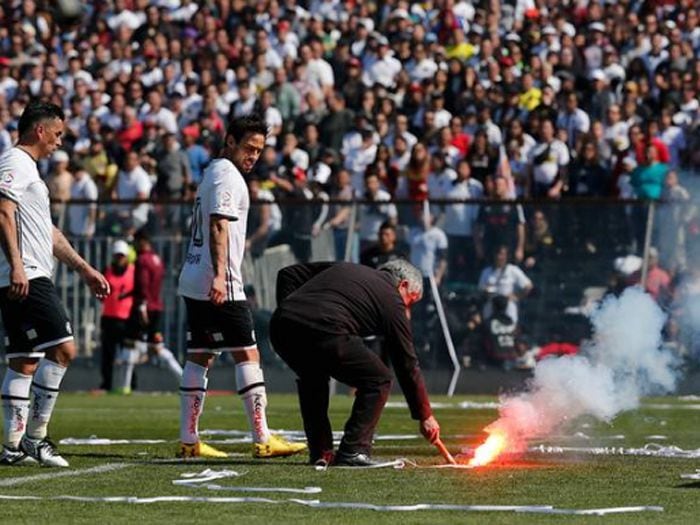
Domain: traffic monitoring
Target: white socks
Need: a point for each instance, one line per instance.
(251, 388)
(193, 390)
(169, 359)
(15, 405)
(47, 380)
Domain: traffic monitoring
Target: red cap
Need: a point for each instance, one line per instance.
(191, 131)
(299, 174)
(354, 62)
(283, 24)
(4, 61)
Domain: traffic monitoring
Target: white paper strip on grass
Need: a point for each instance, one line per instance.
(95, 441)
(316, 504)
(695, 476)
(233, 488)
(56, 474)
(651, 449)
(189, 478)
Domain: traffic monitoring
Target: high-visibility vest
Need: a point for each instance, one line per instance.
(120, 300)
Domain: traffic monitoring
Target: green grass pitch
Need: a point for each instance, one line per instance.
(564, 481)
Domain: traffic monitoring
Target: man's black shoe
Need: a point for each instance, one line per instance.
(353, 459)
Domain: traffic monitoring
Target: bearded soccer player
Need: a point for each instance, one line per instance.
(218, 316)
(39, 343)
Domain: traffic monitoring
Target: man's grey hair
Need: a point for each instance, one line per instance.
(402, 270)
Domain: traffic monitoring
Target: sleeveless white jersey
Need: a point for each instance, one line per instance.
(222, 192)
(20, 182)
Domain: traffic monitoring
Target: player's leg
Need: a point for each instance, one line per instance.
(238, 337)
(17, 382)
(156, 344)
(355, 365)
(47, 330)
(16, 386)
(193, 385)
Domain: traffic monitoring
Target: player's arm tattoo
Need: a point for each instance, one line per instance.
(65, 253)
(218, 243)
(8, 232)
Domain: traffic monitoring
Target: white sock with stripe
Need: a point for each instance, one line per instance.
(193, 390)
(15, 406)
(251, 387)
(47, 380)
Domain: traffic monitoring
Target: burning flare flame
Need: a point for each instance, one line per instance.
(494, 446)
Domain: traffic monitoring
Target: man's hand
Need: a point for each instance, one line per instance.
(19, 284)
(217, 294)
(430, 429)
(96, 282)
(143, 315)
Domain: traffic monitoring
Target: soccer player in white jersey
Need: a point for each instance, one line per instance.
(218, 316)
(39, 341)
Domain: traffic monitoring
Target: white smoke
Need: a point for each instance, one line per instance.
(623, 362)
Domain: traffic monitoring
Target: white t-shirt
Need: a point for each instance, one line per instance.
(129, 185)
(78, 214)
(222, 192)
(373, 215)
(558, 157)
(425, 245)
(503, 281)
(20, 182)
(460, 218)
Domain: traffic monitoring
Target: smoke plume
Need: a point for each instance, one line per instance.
(623, 362)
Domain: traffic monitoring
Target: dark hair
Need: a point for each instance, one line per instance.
(37, 112)
(142, 235)
(240, 127)
(386, 225)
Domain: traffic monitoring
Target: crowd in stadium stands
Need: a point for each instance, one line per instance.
(446, 99)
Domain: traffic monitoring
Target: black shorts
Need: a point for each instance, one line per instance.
(36, 323)
(228, 327)
(151, 333)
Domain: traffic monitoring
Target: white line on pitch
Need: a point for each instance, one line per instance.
(109, 467)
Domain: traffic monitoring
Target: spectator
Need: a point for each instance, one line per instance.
(341, 215)
(82, 217)
(483, 159)
(540, 247)
(173, 168)
(59, 183)
(386, 248)
(676, 214)
(197, 154)
(574, 120)
(260, 220)
(134, 184)
(501, 336)
(336, 123)
(428, 245)
(499, 223)
(548, 163)
(658, 283)
(588, 177)
(505, 280)
(459, 225)
(376, 212)
(116, 308)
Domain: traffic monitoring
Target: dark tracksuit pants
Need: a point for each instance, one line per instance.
(315, 358)
(113, 331)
